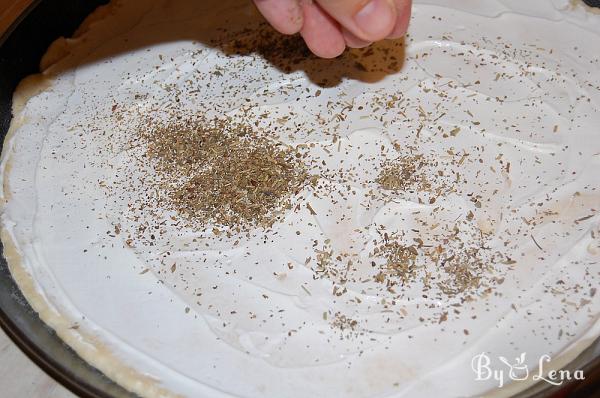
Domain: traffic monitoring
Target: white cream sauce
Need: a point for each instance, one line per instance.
(520, 79)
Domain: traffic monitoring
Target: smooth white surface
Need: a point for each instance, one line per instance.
(20, 378)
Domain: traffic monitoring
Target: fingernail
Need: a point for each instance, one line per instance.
(376, 19)
(353, 41)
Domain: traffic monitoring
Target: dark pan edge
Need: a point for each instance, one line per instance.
(4, 36)
(51, 367)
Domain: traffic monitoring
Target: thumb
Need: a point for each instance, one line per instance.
(369, 20)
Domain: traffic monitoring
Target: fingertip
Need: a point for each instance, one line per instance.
(404, 8)
(352, 41)
(321, 33)
(327, 49)
(284, 15)
(375, 20)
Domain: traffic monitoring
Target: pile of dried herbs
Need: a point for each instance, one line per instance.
(223, 172)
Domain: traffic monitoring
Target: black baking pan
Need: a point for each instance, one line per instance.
(21, 49)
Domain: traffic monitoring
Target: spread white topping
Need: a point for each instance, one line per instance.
(450, 205)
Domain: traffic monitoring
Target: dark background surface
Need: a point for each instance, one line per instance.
(593, 3)
(20, 51)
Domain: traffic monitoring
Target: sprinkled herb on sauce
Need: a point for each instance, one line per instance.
(222, 172)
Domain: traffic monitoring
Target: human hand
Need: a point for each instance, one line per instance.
(329, 26)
